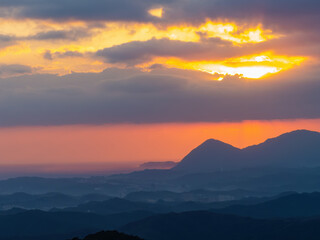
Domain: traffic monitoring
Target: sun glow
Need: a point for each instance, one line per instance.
(253, 66)
(116, 33)
(236, 33)
(156, 12)
(253, 72)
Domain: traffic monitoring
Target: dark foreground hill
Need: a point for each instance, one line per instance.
(109, 235)
(299, 148)
(156, 221)
(40, 225)
(290, 206)
(208, 226)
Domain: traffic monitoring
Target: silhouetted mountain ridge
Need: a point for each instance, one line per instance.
(200, 159)
(300, 148)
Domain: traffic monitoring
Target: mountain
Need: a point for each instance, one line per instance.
(299, 148)
(293, 205)
(207, 226)
(212, 154)
(109, 235)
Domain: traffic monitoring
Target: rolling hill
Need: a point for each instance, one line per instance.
(290, 206)
(208, 226)
(299, 148)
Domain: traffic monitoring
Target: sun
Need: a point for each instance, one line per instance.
(251, 67)
(253, 72)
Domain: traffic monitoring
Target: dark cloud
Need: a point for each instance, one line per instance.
(65, 35)
(136, 52)
(68, 54)
(297, 44)
(14, 69)
(6, 40)
(48, 55)
(113, 10)
(131, 96)
(72, 35)
(287, 14)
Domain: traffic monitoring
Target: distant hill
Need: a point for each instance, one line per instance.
(157, 165)
(117, 205)
(68, 186)
(135, 209)
(198, 195)
(299, 148)
(208, 226)
(45, 201)
(293, 205)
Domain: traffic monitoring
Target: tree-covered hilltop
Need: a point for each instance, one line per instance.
(109, 235)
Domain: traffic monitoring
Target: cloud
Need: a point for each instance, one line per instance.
(159, 96)
(285, 13)
(14, 69)
(298, 44)
(73, 35)
(66, 35)
(6, 40)
(136, 52)
(68, 54)
(48, 55)
(288, 17)
(112, 10)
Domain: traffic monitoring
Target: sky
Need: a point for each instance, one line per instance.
(120, 82)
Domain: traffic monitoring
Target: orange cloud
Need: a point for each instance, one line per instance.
(110, 34)
(156, 12)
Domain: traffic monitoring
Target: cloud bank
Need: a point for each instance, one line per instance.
(162, 95)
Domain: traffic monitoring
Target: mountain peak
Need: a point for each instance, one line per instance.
(214, 143)
(211, 154)
(301, 136)
(300, 133)
(293, 149)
